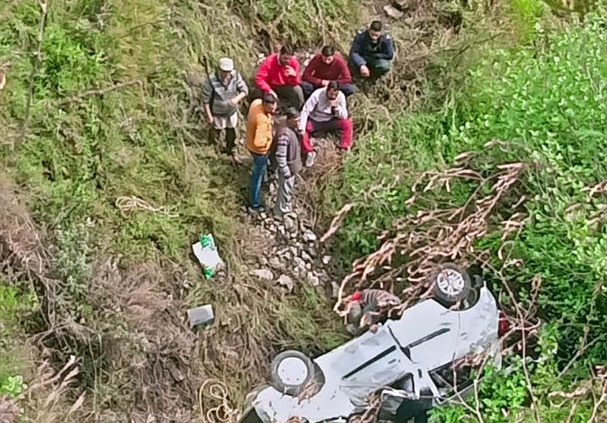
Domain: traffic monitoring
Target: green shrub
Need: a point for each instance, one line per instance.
(547, 105)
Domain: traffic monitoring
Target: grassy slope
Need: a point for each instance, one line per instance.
(73, 153)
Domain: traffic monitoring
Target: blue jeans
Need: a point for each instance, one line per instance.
(260, 163)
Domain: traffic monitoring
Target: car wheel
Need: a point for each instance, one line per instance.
(451, 283)
(291, 371)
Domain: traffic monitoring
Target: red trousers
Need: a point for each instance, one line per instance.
(343, 125)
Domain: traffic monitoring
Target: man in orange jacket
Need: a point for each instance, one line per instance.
(259, 142)
(279, 75)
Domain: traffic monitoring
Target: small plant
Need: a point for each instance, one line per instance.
(12, 386)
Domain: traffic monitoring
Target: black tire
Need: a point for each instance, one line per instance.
(285, 386)
(441, 292)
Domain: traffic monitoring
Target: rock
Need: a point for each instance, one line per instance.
(201, 316)
(262, 260)
(313, 279)
(402, 5)
(335, 289)
(306, 257)
(265, 274)
(263, 215)
(393, 12)
(326, 260)
(294, 249)
(309, 236)
(290, 223)
(312, 251)
(275, 263)
(286, 281)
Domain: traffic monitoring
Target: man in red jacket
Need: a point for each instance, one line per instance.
(279, 75)
(324, 67)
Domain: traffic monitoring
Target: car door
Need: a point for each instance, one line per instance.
(372, 362)
(427, 333)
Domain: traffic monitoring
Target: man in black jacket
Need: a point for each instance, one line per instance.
(288, 161)
(372, 52)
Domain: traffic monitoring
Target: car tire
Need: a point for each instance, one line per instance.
(452, 284)
(291, 371)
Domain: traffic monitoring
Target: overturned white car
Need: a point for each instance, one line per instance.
(410, 358)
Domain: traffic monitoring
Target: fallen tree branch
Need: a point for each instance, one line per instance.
(336, 222)
(99, 91)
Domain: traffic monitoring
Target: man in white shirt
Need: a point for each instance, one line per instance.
(325, 111)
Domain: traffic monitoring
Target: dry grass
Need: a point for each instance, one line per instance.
(20, 244)
(410, 256)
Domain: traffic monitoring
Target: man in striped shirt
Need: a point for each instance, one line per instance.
(288, 159)
(368, 307)
(221, 94)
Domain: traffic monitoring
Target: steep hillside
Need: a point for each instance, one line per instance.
(107, 178)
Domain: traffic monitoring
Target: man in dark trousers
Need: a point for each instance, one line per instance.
(279, 75)
(221, 94)
(288, 161)
(372, 52)
(368, 307)
(325, 67)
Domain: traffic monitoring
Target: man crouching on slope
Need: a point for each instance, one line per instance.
(367, 308)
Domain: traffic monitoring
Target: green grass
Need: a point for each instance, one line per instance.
(81, 151)
(14, 354)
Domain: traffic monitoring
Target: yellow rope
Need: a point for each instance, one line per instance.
(134, 203)
(216, 390)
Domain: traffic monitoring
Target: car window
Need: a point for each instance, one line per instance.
(250, 416)
(448, 377)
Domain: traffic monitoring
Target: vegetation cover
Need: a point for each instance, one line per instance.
(509, 172)
(106, 179)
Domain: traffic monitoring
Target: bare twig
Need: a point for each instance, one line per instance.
(336, 222)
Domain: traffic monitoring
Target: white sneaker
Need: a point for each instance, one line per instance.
(311, 159)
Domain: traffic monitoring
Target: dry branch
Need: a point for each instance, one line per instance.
(336, 222)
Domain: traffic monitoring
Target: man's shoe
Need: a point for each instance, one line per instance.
(256, 210)
(311, 159)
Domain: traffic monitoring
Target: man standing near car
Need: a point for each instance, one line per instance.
(221, 94)
(369, 307)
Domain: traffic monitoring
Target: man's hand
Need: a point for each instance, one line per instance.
(364, 71)
(334, 103)
(324, 82)
(373, 328)
(234, 101)
(290, 71)
(273, 93)
(210, 119)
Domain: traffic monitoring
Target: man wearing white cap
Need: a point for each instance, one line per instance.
(221, 94)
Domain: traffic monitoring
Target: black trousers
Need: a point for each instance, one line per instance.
(230, 139)
(288, 96)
